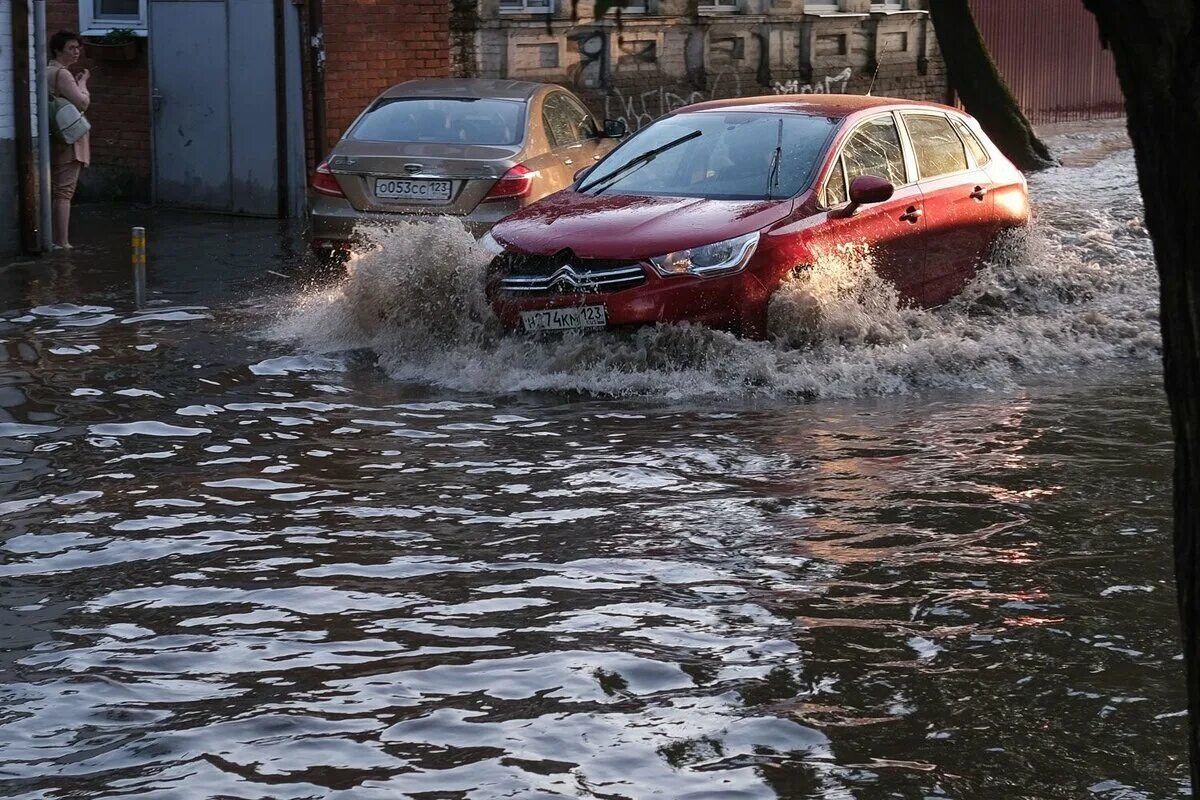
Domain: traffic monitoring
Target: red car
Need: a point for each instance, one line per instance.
(701, 215)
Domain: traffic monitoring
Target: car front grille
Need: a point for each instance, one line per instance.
(534, 275)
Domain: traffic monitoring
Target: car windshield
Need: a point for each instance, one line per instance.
(729, 156)
(485, 121)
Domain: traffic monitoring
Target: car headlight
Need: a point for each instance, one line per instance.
(719, 258)
(490, 245)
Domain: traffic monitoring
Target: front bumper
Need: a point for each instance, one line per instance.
(333, 222)
(732, 302)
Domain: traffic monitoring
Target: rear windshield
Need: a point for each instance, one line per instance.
(730, 156)
(442, 121)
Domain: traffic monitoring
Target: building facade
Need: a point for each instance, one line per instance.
(644, 58)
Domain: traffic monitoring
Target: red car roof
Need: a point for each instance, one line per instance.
(823, 105)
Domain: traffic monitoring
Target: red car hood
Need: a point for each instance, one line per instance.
(632, 226)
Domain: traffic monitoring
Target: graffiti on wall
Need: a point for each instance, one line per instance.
(606, 69)
(642, 108)
(593, 69)
(830, 84)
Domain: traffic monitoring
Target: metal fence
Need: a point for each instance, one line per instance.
(1049, 53)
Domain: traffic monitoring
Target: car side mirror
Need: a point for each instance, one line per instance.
(615, 129)
(869, 189)
(579, 173)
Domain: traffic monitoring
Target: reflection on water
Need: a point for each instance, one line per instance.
(302, 580)
(235, 569)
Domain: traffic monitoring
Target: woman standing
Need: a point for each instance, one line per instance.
(67, 159)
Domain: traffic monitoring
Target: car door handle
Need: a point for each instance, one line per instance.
(978, 193)
(911, 214)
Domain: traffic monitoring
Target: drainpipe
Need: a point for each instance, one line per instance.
(281, 143)
(27, 171)
(41, 62)
(316, 53)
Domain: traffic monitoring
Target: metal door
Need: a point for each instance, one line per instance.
(214, 105)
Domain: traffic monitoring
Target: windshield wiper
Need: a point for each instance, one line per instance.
(644, 158)
(773, 177)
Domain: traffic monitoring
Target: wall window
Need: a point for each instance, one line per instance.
(888, 5)
(526, 6)
(718, 5)
(104, 15)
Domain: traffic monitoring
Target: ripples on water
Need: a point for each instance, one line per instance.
(248, 571)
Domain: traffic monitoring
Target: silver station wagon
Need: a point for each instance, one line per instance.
(471, 148)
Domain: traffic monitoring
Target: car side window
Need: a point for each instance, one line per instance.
(874, 149)
(563, 120)
(835, 187)
(582, 118)
(978, 151)
(938, 149)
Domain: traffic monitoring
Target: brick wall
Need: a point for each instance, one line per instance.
(120, 117)
(373, 44)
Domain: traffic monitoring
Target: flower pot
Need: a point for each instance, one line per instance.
(99, 51)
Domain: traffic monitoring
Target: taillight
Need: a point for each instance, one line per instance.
(517, 182)
(323, 181)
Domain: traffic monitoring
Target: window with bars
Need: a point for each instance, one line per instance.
(104, 15)
(526, 6)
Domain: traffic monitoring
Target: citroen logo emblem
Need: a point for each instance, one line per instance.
(565, 280)
(412, 169)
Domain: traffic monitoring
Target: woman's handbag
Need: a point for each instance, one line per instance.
(67, 123)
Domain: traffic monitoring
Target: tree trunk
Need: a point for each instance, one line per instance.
(983, 91)
(1156, 45)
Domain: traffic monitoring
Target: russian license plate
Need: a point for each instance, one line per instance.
(565, 319)
(413, 190)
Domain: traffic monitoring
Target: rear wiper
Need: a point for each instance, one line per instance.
(644, 158)
(773, 177)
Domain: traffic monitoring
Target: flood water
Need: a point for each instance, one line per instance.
(280, 538)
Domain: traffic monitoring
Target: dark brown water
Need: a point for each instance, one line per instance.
(234, 568)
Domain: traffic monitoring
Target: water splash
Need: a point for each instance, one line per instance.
(1076, 288)
(414, 284)
(840, 299)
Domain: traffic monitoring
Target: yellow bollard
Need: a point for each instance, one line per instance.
(139, 267)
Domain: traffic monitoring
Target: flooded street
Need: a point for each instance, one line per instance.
(295, 537)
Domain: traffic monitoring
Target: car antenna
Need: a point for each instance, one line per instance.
(876, 74)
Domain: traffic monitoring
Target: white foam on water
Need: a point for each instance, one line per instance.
(1075, 289)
